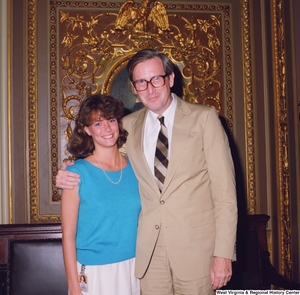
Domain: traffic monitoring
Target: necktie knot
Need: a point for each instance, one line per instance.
(161, 119)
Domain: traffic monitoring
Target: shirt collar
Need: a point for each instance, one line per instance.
(169, 113)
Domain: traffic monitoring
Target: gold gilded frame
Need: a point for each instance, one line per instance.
(282, 143)
(248, 105)
(282, 138)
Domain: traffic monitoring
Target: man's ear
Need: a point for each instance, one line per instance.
(133, 89)
(171, 79)
(86, 129)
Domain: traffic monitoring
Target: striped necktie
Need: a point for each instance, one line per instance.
(161, 154)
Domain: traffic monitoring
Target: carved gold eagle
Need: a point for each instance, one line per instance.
(135, 17)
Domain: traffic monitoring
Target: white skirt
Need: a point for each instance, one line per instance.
(111, 279)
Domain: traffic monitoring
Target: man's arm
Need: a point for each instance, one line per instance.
(66, 179)
(222, 175)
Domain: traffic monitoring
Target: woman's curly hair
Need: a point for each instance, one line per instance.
(81, 144)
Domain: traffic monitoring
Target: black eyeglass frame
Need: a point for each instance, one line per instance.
(150, 81)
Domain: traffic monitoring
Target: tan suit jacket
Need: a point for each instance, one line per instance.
(197, 209)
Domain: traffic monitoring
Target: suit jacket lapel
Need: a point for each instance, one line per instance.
(181, 129)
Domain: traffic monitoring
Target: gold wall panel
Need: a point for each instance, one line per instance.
(89, 47)
(88, 52)
(91, 43)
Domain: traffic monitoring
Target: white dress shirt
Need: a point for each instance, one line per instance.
(151, 130)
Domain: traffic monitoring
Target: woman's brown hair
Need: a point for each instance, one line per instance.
(81, 144)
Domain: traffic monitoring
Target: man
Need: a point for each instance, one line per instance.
(187, 226)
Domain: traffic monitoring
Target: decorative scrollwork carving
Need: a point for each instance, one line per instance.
(93, 46)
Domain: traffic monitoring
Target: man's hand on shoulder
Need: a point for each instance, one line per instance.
(66, 179)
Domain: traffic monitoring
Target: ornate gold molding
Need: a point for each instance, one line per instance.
(248, 105)
(32, 110)
(282, 148)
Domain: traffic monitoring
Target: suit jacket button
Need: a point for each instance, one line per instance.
(156, 226)
(162, 202)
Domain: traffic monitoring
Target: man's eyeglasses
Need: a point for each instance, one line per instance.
(156, 82)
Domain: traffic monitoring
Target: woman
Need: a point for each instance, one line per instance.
(100, 216)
